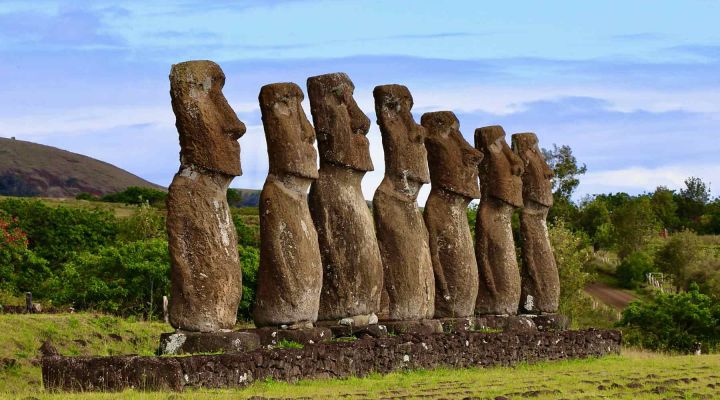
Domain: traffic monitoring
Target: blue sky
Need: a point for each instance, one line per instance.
(632, 87)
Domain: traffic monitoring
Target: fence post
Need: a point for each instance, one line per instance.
(28, 302)
(165, 310)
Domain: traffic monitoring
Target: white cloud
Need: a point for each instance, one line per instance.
(641, 179)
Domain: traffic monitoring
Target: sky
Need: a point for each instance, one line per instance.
(632, 87)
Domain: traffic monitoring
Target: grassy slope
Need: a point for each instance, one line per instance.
(73, 334)
(22, 335)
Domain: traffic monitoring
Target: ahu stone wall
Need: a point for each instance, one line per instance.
(336, 359)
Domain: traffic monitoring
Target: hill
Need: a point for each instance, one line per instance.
(31, 169)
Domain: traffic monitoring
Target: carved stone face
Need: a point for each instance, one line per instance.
(500, 169)
(340, 125)
(537, 178)
(403, 139)
(289, 135)
(208, 127)
(453, 161)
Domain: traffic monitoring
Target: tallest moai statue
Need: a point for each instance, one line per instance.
(352, 270)
(205, 267)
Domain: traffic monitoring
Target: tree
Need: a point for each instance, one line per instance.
(678, 256)
(635, 225)
(136, 195)
(572, 253)
(594, 218)
(633, 268)
(692, 201)
(566, 170)
(664, 207)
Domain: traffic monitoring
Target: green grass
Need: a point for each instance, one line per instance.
(609, 377)
(21, 335)
(659, 377)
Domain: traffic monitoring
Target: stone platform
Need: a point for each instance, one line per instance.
(334, 359)
(181, 342)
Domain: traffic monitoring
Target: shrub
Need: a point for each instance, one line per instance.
(136, 195)
(249, 261)
(632, 270)
(128, 279)
(673, 322)
(146, 223)
(54, 233)
(20, 269)
(572, 254)
(679, 254)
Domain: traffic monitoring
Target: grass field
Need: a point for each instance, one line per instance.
(632, 375)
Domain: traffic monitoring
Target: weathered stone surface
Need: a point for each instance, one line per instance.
(506, 323)
(344, 331)
(352, 270)
(205, 268)
(455, 325)
(401, 233)
(454, 174)
(501, 188)
(540, 280)
(325, 360)
(208, 127)
(290, 272)
(418, 327)
(551, 322)
(273, 336)
(181, 342)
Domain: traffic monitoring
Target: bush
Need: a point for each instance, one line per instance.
(249, 261)
(632, 270)
(54, 233)
(136, 195)
(673, 322)
(129, 279)
(21, 270)
(247, 235)
(146, 223)
(572, 254)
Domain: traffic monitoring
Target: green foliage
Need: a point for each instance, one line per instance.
(665, 207)
(633, 268)
(129, 279)
(572, 254)
(679, 254)
(635, 225)
(247, 235)
(146, 223)
(136, 195)
(55, 233)
(86, 196)
(565, 169)
(249, 261)
(674, 322)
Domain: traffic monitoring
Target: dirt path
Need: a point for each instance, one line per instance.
(616, 298)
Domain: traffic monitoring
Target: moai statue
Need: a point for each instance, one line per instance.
(352, 270)
(401, 232)
(540, 280)
(290, 273)
(205, 267)
(453, 166)
(500, 172)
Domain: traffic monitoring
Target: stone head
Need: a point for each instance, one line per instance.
(453, 161)
(340, 125)
(537, 176)
(403, 139)
(208, 127)
(500, 169)
(290, 137)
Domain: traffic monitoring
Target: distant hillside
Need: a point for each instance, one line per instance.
(31, 169)
(244, 197)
